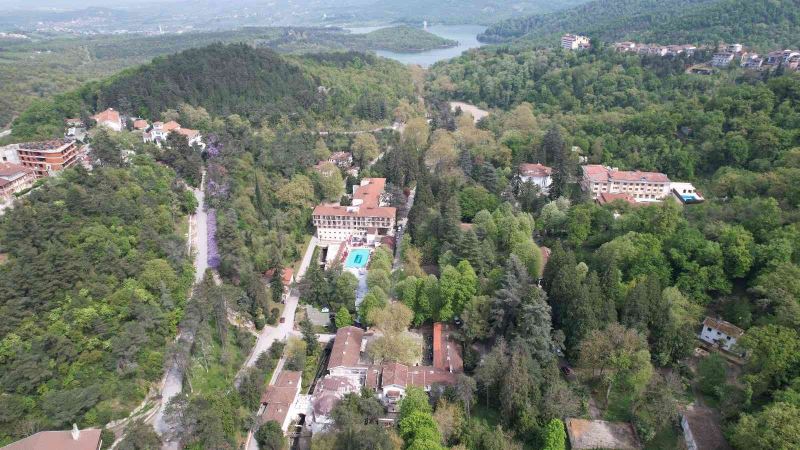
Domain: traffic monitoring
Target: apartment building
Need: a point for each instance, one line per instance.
(575, 42)
(14, 178)
(642, 186)
(367, 216)
(46, 158)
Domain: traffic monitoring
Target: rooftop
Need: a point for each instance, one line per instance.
(109, 115)
(605, 198)
(279, 397)
(723, 326)
(446, 351)
(346, 351)
(11, 170)
(88, 439)
(366, 202)
(593, 434)
(600, 174)
(535, 170)
(140, 124)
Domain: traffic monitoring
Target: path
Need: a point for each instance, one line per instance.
(5, 133)
(402, 223)
(282, 330)
(172, 384)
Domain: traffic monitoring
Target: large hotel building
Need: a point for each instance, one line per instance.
(45, 158)
(366, 217)
(642, 186)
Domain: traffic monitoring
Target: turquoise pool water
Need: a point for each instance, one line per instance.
(357, 258)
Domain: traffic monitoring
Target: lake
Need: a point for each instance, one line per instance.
(466, 35)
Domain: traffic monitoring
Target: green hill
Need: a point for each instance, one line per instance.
(765, 25)
(255, 83)
(406, 39)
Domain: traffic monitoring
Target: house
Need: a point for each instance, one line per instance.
(752, 61)
(592, 434)
(537, 174)
(345, 359)
(642, 186)
(287, 276)
(685, 193)
(46, 158)
(14, 178)
(722, 59)
(343, 160)
(140, 124)
(280, 399)
(192, 136)
(720, 332)
(700, 430)
(75, 439)
(159, 132)
(367, 218)
(575, 42)
(109, 119)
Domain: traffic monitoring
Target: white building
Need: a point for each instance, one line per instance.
(722, 59)
(685, 193)
(642, 186)
(367, 218)
(109, 119)
(575, 42)
(537, 174)
(720, 332)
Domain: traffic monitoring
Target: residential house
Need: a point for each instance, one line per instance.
(279, 402)
(140, 125)
(720, 332)
(287, 277)
(193, 137)
(75, 439)
(642, 186)
(14, 178)
(367, 218)
(722, 59)
(575, 42)
(606, 198)
(343, 160)
(109, 119)
(752, 61)
(446, 350)
(592, 434)
(46, 158)
(537, 174)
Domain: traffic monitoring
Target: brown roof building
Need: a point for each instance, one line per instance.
(605, 198)
(109, 118)
(346, 351)
(335, 222)
(47, 158)
(446, 351)
(642, 186)
(279, 398)
(88, 439)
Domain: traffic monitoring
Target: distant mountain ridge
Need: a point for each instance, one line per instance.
(761, 24)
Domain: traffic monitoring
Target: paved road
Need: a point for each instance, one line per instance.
(172, 384)
(401, 232)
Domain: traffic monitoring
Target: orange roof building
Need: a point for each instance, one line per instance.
(88, 439)
(367, 217)
(279, 399)
(45, 158)
(446, 351)
(109, 119)
(642, 186)
(140, 124)
(14, 178)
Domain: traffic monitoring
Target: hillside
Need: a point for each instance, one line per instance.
(763, 25)
(257, 84)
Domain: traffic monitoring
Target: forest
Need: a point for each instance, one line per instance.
(94, 280)
(763, 26)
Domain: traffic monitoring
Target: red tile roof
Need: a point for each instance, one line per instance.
(88, 439)
(394, 374)
(369, 195)
(346, 351)
(605, 198)
(446, 351)
(8, 169)
(171, 126)
(188, 132)
(535, 170)
(140, 124)
(599, 174)
(279, 397)
(108, 115)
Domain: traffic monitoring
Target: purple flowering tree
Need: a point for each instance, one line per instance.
(213, 250)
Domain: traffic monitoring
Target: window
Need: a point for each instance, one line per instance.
(709, 329)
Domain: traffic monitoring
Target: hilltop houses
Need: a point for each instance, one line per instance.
(654, 49)
(75, 439)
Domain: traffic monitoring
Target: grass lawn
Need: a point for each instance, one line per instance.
(215, 371)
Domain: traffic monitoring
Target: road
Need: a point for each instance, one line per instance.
(403, 222)
(4, 133)
(477, 113)
(282, 330)
(172, 384)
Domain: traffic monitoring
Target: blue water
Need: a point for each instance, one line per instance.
(466, 35)
(357, 259)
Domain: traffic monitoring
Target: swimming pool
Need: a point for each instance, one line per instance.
(357, 258)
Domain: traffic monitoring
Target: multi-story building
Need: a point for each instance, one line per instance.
(642, 186)
(46, 158)
(367, 216)
(14, 178)
(574, 42)
(720, 332)
(280, 401)
(722, 59)
(752, 61)
(537, 174)
(109, 119)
